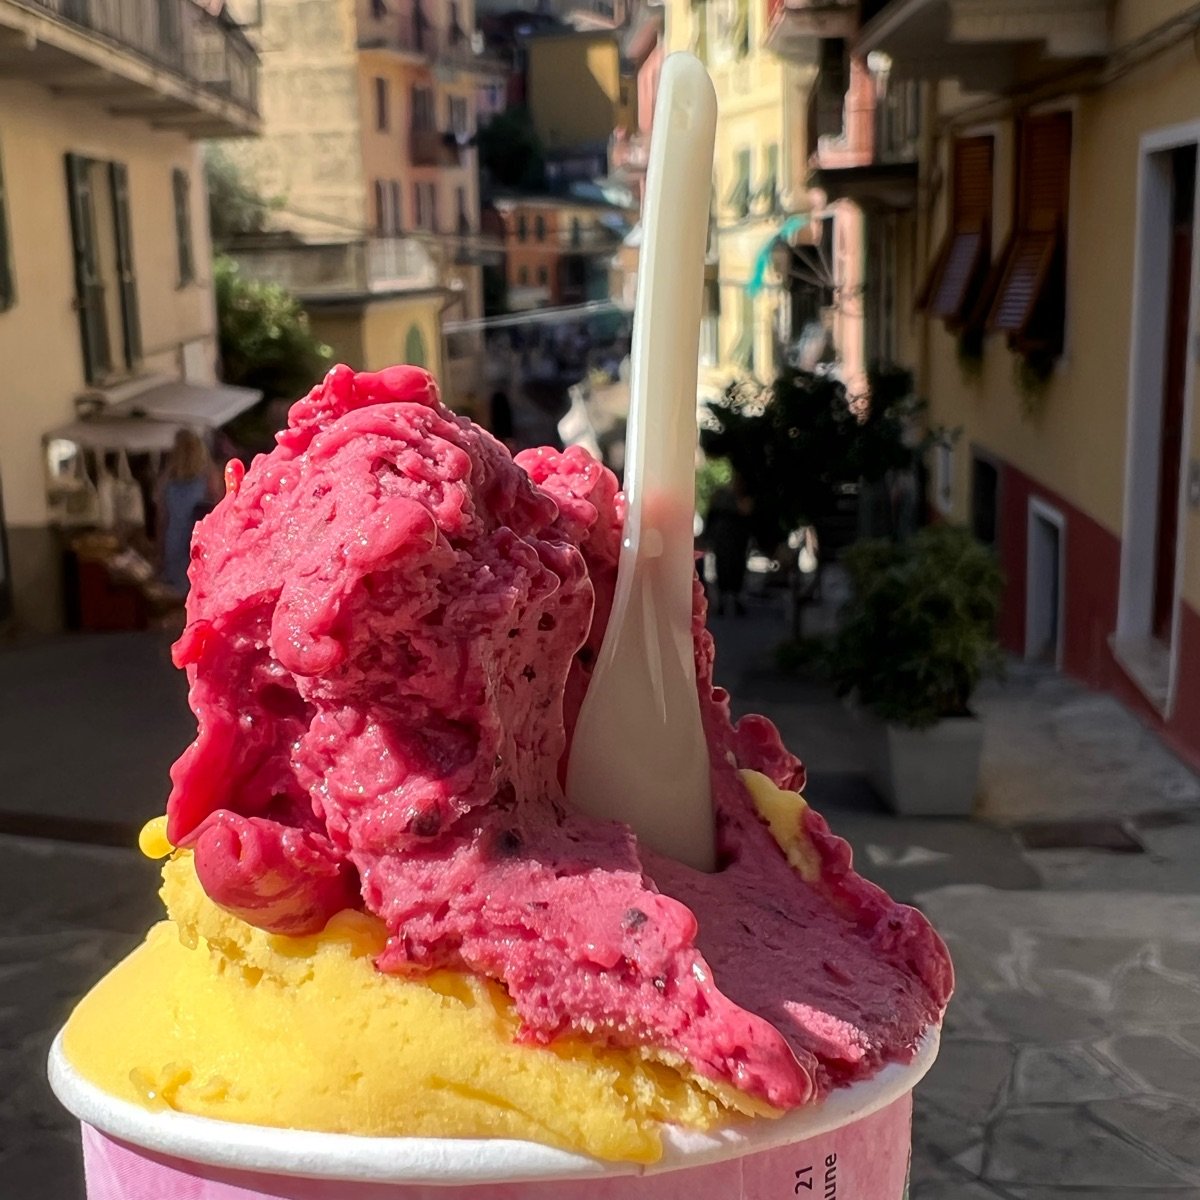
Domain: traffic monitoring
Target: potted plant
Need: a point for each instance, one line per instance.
(915, 639)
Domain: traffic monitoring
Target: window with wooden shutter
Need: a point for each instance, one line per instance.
(181, 186)
(961, 266)
(381, 208)
(8, 290)
(1029, 303)
(89, 289)
(397, 213)
(126, 277)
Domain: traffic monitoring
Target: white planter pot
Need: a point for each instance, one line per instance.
(927, 772)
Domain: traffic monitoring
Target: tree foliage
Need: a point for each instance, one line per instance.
(235, 209)
(794, 443)
(265, 339)
(918, 632)
(510, 152)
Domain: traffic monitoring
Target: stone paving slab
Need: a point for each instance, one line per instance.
(1067, 1060)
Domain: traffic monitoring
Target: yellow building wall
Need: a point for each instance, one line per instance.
(1073, 436)
(388, 325)
(40, 345)
(309, 156)
(574, 87)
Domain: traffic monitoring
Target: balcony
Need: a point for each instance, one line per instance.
(435, 148)
(412, 36)
(167, 62)
(338, 270)
(989, 45)
(872, 159)
(796, 27)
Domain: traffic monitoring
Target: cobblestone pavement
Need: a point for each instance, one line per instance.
(1071, 1056)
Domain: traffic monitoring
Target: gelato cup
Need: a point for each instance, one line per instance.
(856, 1143)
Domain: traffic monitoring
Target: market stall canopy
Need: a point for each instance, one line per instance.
(204, 404)
(146, 420)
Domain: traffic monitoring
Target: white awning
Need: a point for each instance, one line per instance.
(148, 420)
(203, 404)
(130, 434)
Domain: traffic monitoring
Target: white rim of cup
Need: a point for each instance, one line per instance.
(423, 1160)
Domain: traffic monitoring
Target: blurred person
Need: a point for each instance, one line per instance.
(189, 487)
(727, 534)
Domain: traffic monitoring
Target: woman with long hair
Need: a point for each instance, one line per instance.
(189, 487)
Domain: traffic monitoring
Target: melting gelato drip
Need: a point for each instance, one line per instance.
(389, 634)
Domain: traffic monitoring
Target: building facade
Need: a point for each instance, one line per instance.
(557, 249)
(1056, 323)
(369, 119)
(105, 266)
(760, 191)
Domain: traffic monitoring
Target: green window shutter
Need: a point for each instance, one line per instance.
(130, 319)
(767, 192)
(8, 291)
(181, 187)
(739, 195)
(415, 353)
(89, 291)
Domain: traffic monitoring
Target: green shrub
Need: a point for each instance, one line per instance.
(918, 633)
(265, 340)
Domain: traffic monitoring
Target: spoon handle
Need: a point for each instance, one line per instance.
(639, 754)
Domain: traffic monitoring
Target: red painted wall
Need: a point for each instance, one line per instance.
(1092, 572)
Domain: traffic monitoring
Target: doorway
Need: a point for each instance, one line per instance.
(1160, 381)
(1170, 453)
(1044, 585)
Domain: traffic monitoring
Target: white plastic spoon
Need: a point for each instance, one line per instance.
(639, 753)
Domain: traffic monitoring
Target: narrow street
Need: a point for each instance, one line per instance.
(1071, 1056)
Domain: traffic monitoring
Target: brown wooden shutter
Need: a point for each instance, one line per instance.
(962, 262)
(89, 291)
(123, 222)
(181, 187)
(1021, 285)
(1044, 172)
(973, 184)
(8, 291)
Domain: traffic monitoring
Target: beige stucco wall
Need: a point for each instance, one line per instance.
(39, 337)
(309, 155)
(386, 327)
(1074, 439)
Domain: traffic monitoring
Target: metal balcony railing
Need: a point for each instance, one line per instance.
(176, 35)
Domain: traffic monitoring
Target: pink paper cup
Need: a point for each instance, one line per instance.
(856, 1144)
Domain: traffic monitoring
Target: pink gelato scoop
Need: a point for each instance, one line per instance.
(390, 631)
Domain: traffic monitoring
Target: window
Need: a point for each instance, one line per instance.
(523, 276)
(464, 218)
(181, 184)
(382, 105)
(379, 9)
(458, 117)
(397, 221)
(960, 269)
(415, 352)
(423, 115)
(1030, 294)
(543, 276)
(539, 228)
(381, 208)
(522, 227)
(738, 199)
(576, 232)
(8, 290)
(767, 193)
(425, 206)
(105, 281)
(985, 492)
